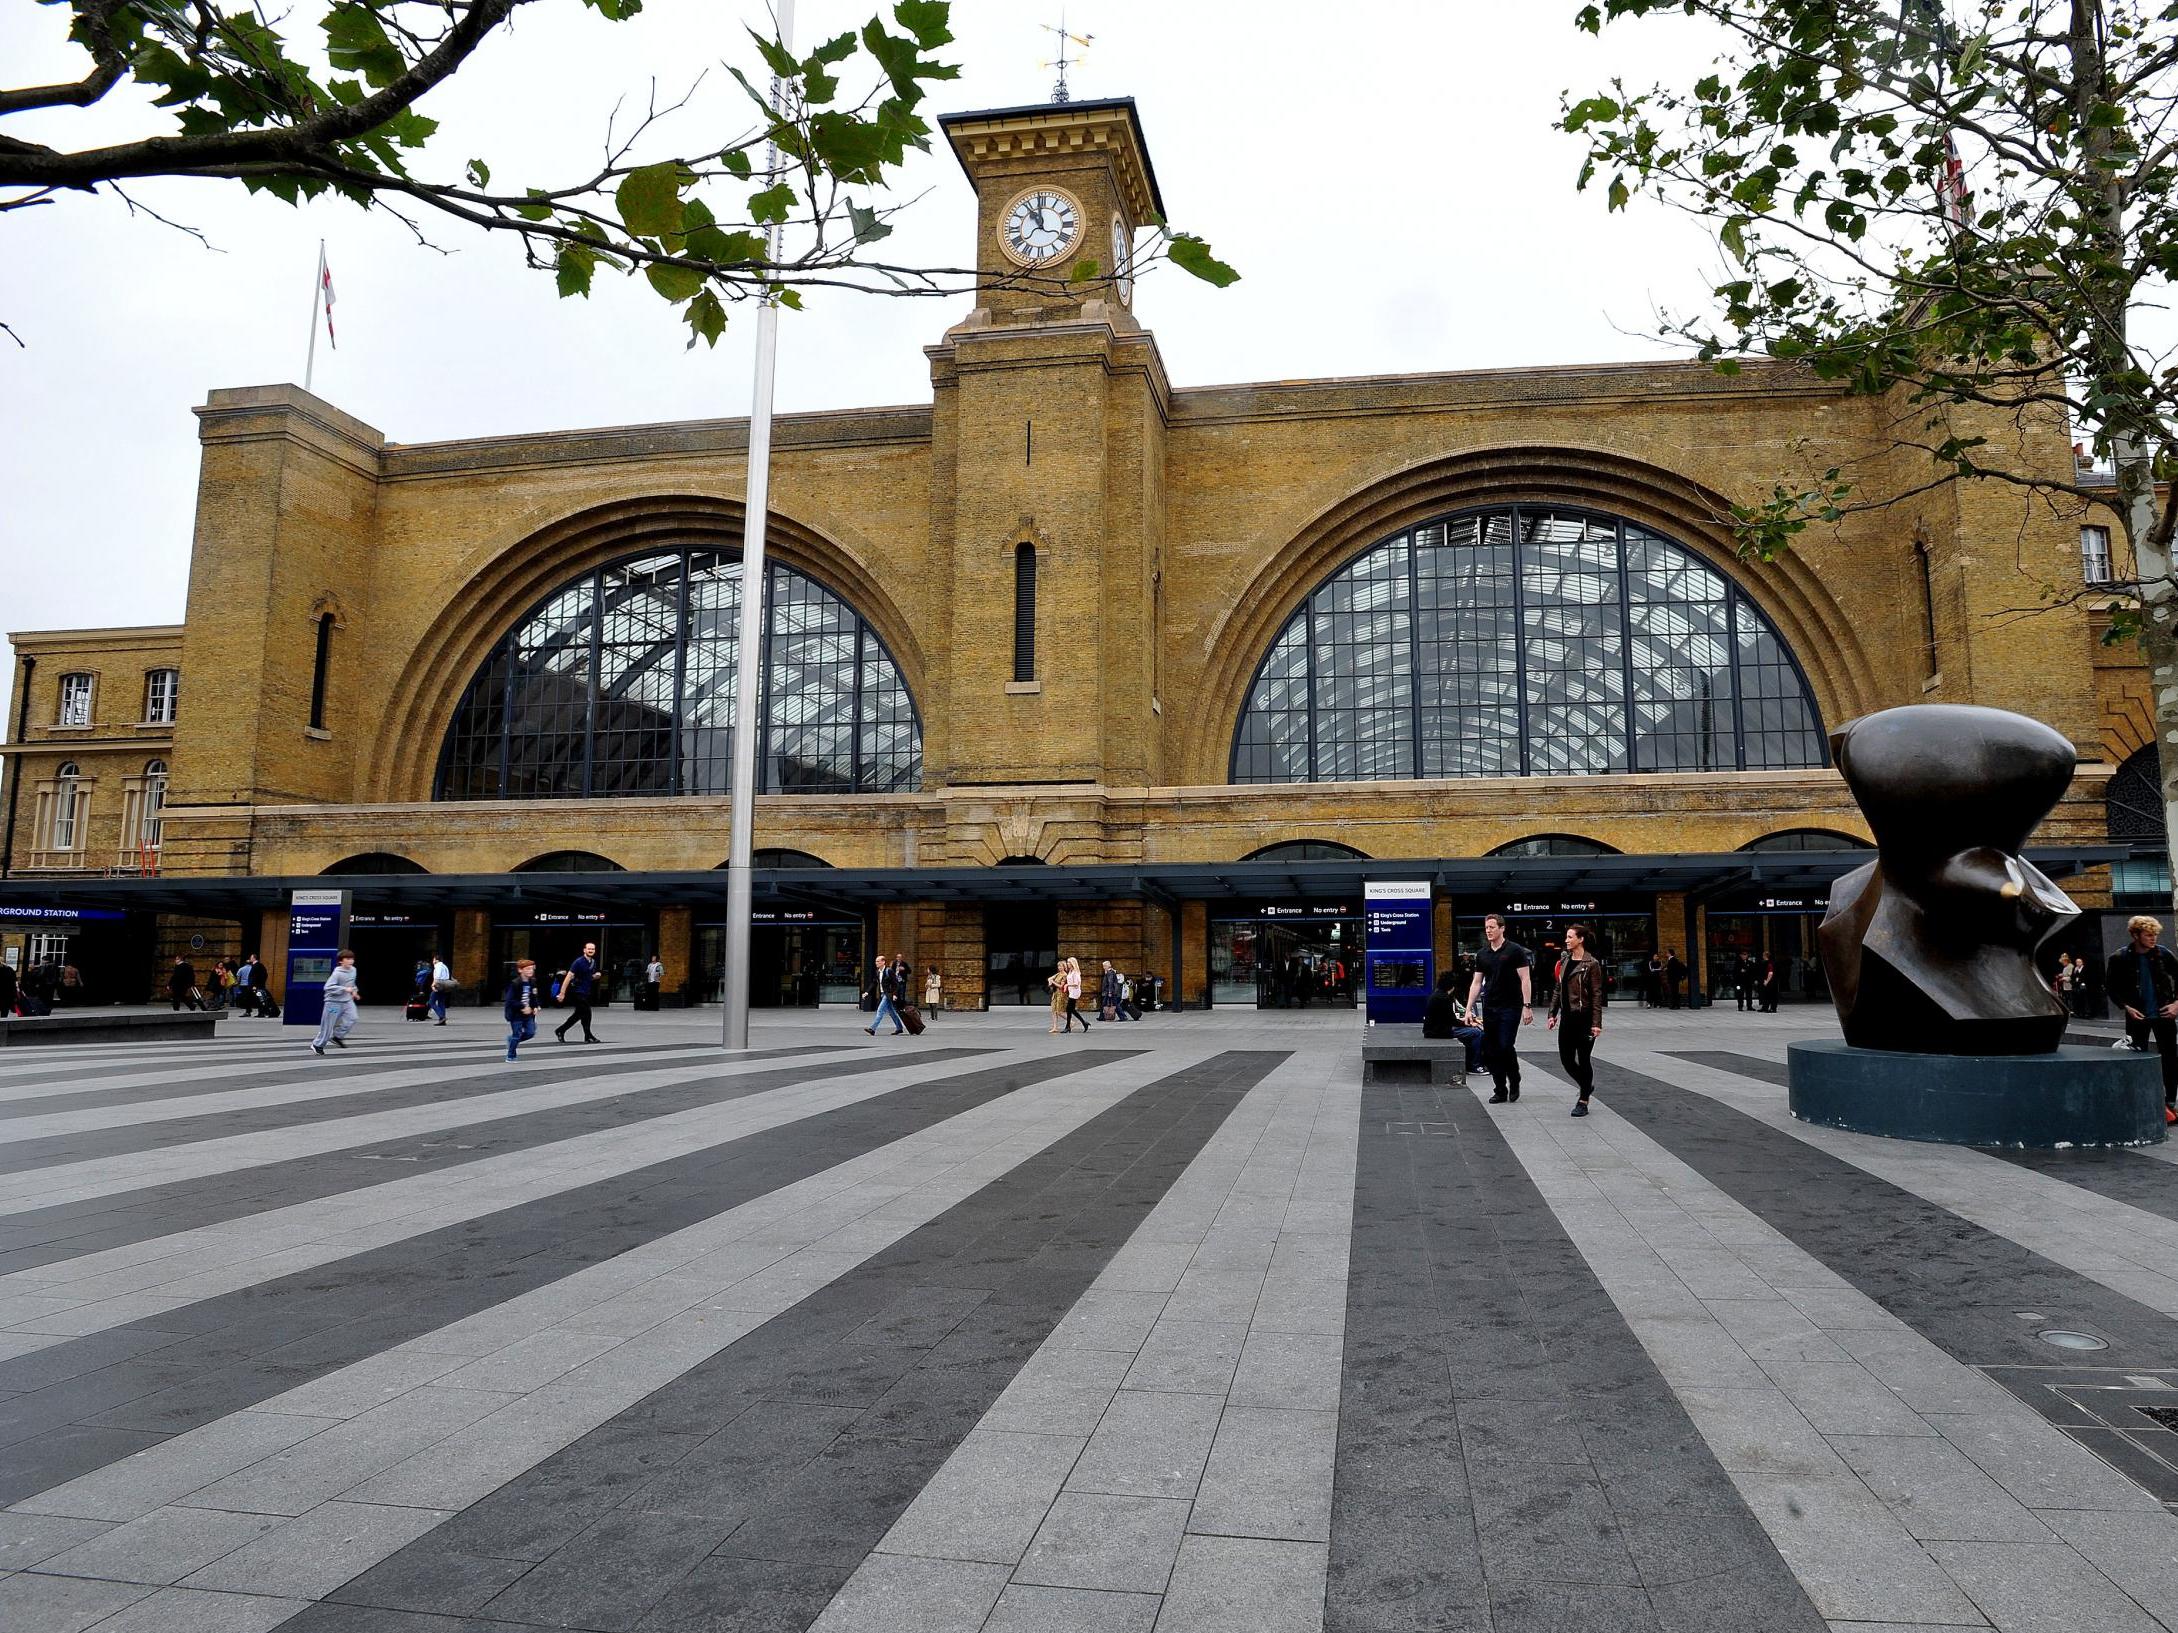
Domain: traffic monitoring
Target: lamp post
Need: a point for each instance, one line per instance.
(749, 652)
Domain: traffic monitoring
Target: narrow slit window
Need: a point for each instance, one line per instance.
(319, 671)
(1928, 606)
(1024, 612)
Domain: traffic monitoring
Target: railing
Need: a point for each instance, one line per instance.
(53, 861)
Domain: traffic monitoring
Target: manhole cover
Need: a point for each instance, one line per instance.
(2062, 1339)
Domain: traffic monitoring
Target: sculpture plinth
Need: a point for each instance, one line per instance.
(1930, 948)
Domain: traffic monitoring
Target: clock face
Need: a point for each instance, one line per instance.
(1040, 226)
(1122, 259)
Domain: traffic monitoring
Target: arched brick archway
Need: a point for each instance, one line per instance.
(1788, 592)
(511, 578)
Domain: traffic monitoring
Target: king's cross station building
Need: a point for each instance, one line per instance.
(1068, 659)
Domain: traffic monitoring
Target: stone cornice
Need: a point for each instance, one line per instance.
(237, 414)
(1020, 138)
(1490, 388)
(38, 642)
(839, 428)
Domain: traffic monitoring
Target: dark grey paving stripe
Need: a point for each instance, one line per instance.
(2139, 1181)
(753, 1485)
(66, 1230)
(568, 1064)
(1762, 1071)
(1508, 1456)
(223, 1354)
(225, 1077)
(1958, 1284)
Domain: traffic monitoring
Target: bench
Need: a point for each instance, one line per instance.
(1414, 1060)
(94, 1026)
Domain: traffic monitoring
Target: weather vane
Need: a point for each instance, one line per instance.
(1059, 92)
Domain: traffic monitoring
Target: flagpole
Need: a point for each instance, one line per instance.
(317, 293)
(749, 653)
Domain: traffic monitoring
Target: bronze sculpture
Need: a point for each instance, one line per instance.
(1930, 947)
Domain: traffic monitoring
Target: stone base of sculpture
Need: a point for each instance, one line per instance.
(2071, 1097)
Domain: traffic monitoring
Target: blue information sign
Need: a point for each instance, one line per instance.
(1401, 951)
(317, 928)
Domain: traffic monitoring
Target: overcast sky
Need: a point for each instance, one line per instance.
(1383, 173)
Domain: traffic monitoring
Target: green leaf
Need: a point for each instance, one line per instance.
(837, 49)
(617, 11)
(649, 199)
(480, 174)
(736, 161)
(706, 319)
(1618, 194)
(675, 283)
(725, 249)
(537, 211)
(1733, 235)
(1191, 255)
(868, 229)
(355, 39)
(771, 205)
(930, 21)
(574, 266)
(776, 56)
(791, 299)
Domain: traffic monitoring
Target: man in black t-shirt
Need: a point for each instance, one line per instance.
(1502, 996)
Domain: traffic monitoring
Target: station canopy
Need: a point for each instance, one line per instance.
(1484, 880)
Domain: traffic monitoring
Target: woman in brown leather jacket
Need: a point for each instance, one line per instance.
(1579, 1003)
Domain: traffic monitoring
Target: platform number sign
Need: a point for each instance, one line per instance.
(1401, 954)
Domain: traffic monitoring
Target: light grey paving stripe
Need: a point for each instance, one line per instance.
(59, 1089)
(579, 1353)
(227, 1355)
(261, 1107)
(75, 1182)
(100, 1291)
(2126, 1249)
(816, 1431)
(1898, 1482)
(1189, 1401)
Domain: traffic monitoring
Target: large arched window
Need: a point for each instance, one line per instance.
(1307, 850)
(1807, 839)
(1524, 641)
(1553, 845)
(569, 862)
(622, 683)
(373, 862)
(2133, 798)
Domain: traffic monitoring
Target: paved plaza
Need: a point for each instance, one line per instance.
(1178, 1327)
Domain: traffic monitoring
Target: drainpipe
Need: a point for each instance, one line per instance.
(15, 768)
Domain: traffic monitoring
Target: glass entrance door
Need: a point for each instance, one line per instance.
(1274, 965)
(1021, 949)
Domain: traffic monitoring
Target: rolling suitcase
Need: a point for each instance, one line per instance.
(419, 1007)
(912, 1019)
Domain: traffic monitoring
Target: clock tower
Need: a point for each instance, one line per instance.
(1057, 186)
(1050, 406)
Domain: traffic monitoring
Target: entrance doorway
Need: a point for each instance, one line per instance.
(1620, 940)
(1021, 949)
(554, 946)
(791, 966)
(1273, 964)
(1788, 937)
(388, 948)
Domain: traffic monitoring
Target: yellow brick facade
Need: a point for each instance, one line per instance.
(1175, 529)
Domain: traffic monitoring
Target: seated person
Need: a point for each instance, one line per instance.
(1443, 1020)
